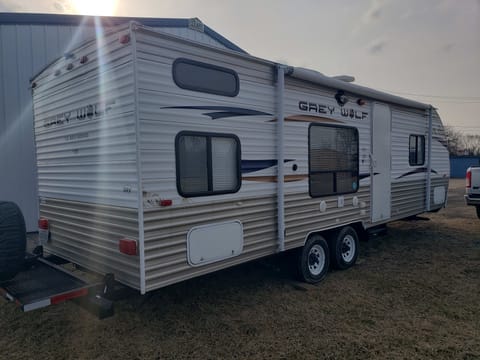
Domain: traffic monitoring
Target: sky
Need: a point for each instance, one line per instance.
(426, 50)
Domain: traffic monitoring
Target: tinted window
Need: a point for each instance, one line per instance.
(333, 160)
(197, 76)
(207, 164)
(416, 153)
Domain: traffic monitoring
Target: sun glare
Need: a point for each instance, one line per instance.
(95, 7)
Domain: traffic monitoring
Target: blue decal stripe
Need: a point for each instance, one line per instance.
(249, 166)
(416, 171)
(219, 112)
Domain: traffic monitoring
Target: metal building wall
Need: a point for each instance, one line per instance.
(24, 50)
(460, 164)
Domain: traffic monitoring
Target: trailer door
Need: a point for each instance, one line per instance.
(381, 163)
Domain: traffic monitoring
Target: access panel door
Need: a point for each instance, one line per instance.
(381, 162)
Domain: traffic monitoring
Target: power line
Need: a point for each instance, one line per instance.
(448, 97)
(457, 102)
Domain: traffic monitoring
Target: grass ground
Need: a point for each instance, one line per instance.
(414, 294)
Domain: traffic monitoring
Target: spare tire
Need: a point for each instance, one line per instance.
(13, 240)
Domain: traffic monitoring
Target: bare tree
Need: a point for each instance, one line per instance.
(459, 143)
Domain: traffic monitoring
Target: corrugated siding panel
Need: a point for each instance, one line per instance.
(303, 216)
(408, 188)
(166, 230)
(255, 205)
(25, 50)
(297, 91)
(166, 237)
(404, 124)
(440, 155)
(160, 123)
(88, 235)
(408, 197)
(460, 164)
(90, 159)
(87, 171)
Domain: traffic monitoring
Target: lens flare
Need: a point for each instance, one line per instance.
(95, 7)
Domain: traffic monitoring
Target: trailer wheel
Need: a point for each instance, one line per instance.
(12, 240)
(313, 260)
(478, 211)
(344, 248)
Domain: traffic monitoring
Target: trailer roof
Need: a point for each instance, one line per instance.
(107, 21)
(321, 79)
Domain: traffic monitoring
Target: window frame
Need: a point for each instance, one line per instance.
(416, 150)
(184, 86)
(209, 136)
(357, 171)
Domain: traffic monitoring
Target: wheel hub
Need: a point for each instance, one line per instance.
(316, 260)
(348, 248)
(313, 259)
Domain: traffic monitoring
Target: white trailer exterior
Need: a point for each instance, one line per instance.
(173, 144)
(29, 42)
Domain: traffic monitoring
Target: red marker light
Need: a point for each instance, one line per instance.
(124, 39)
(469, 179)
(166, 202)
(43, 224)
(127, 246)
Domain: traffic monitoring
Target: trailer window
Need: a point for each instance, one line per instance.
(333, 160)
(416, 152)
(207, 164)
(212, 79)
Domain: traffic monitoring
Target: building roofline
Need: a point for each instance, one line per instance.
(86, 20)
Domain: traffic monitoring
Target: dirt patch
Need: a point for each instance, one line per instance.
(414, 294)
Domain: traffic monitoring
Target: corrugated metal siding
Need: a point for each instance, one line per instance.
(166, 236)
(255, 205)
(166, 229)
(87, 171)
(408, 197)
(303, 216)
(24, 51)
(90, 159)
(88, 235)
(159, 122)
(460, 164)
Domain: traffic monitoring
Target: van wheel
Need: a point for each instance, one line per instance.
(12, 240)
(344, 248)
(478, 211)
(313, 260)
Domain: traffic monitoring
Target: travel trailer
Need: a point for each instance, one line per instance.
(161, 159)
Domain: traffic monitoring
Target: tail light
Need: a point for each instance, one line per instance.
(43, 224)
(124, 39)
(127, 246)
(43, 231)
(469, 179)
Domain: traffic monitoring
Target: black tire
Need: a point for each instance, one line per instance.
(478, 211)
(313, 260)
(344, 247)
(12, 240)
